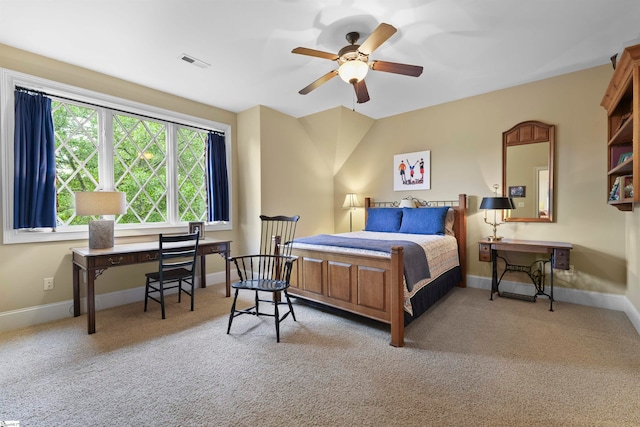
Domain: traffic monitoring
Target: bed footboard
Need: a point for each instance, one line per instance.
(368, 286)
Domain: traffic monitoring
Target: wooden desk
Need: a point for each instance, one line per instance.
(558, 257)
(95, 261)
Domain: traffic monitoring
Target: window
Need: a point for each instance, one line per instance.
(157, 157)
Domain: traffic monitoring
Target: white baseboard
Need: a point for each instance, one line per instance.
(16, 319)
(575, 296)
(633, 314)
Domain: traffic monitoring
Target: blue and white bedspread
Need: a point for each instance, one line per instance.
(426, 257)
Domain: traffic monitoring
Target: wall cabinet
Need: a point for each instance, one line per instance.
(622, 102)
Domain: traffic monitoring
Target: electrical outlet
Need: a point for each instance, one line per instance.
(48, 283)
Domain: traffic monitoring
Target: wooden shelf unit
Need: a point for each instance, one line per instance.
(622, 102)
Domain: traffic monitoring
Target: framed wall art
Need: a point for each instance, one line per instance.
(517, 191)
(412, 171)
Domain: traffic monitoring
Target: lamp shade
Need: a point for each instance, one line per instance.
(497, 203)
(407, 203)
(353, 71)
(100, 203)
(351, 201)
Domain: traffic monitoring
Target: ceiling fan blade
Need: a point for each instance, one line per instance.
(320, 81)
(362, 94)
(379, 36)
(394, 67)
(316, 53)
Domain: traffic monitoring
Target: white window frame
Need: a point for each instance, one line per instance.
(9, 80)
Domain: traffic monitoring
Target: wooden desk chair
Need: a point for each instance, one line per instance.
(269, 271)
(176, 266)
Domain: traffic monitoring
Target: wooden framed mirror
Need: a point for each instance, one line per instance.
(527, 171)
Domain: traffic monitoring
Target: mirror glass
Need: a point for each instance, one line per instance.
(527, 171)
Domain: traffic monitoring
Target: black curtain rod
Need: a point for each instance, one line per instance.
(39, 92)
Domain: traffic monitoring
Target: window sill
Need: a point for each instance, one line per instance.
(81, 233)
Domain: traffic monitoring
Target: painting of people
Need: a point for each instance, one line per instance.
(412, 171)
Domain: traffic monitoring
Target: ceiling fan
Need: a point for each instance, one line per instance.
(354, 63)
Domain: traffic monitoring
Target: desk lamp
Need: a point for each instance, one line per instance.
(495, 203)
(100, 203)
(351, 202)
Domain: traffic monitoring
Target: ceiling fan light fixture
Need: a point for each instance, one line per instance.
(353, 71)
(353, 62)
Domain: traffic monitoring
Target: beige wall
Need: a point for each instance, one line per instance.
(633, 270)
(281, 172)
(305, 166)
(248, 183)
(465, 139)
(294, 180)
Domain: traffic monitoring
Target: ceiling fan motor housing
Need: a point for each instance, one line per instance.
(351, 53)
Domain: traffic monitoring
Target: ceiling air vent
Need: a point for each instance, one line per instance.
(194, 61)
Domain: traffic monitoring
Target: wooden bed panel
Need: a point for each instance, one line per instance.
(340, 281)
(355, 284)
(372, 288)
(313, 275)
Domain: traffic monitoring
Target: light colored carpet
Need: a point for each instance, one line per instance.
(467, 361)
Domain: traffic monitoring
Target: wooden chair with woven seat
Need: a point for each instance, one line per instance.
(268, 271)
(176, 267)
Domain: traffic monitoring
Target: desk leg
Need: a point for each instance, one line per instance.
(203, 271)
(494, 272)
(76, 290)
(227, 270)
(551, 280)
(91, 302)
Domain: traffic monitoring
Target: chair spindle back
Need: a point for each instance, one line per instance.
(277, 234)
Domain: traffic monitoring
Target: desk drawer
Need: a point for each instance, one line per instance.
(484, 252)
(561, 259)
(113, 260)
(212, 249)
(148, 256)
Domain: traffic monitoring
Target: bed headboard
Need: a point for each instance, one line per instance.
(459, 224)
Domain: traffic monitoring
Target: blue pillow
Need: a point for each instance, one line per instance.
(384, 219)
(424, 220)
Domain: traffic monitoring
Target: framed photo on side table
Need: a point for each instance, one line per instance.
(197, 226)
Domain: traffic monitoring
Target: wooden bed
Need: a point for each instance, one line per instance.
(372, 286)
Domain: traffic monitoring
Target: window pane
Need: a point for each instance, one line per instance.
(76, 132)
(156, 156)
(140, 168)
(192, 192)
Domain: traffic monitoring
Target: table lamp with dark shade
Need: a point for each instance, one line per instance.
(495, 203)
(88, 203)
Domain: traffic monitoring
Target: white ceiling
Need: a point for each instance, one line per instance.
(467, 47)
